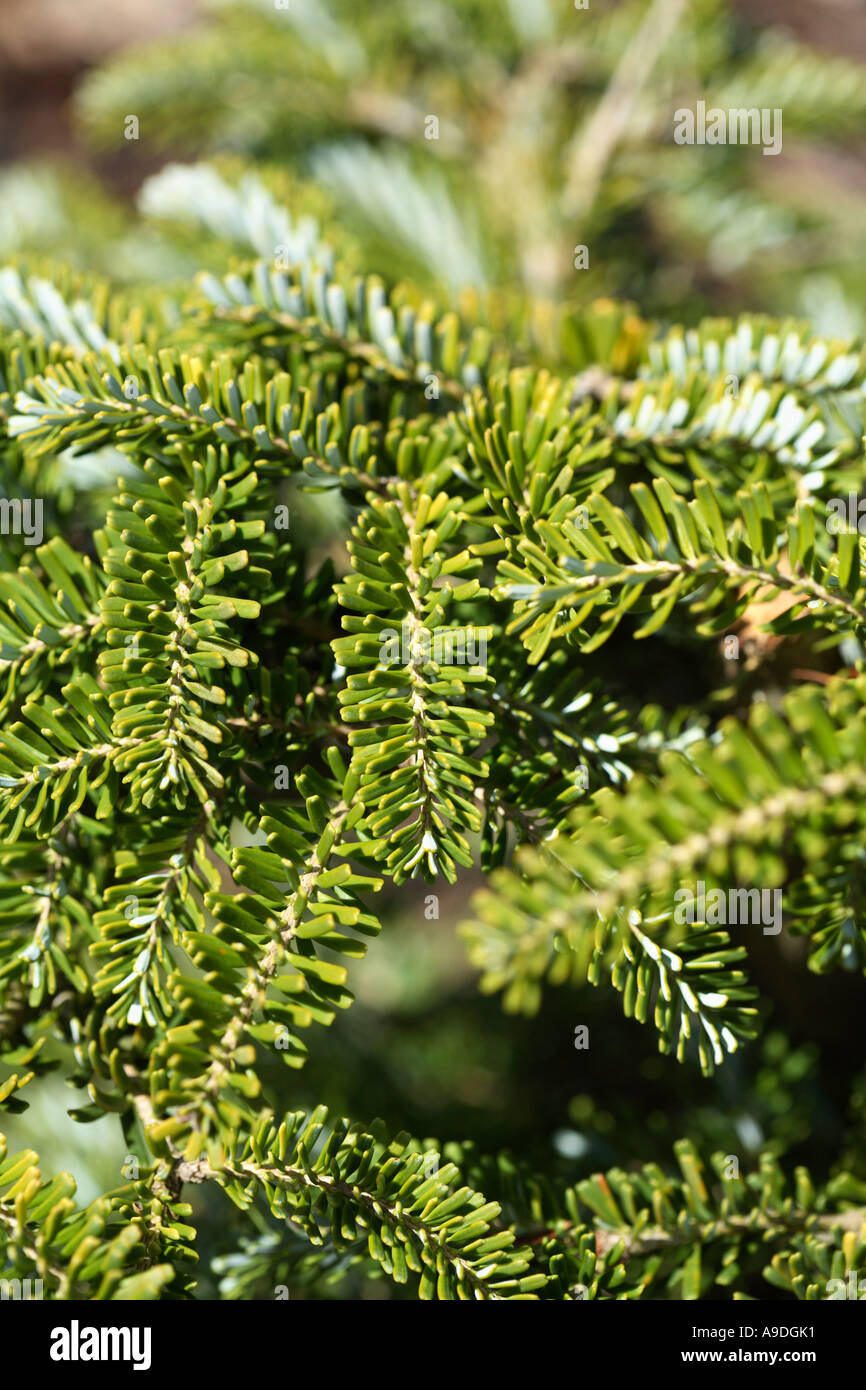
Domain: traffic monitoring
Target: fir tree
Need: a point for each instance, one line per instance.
(214, 751)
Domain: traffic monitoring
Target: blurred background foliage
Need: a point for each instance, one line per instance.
(554, 130)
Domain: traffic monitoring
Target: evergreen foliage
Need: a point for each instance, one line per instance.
(554, 127)
(217, 746)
